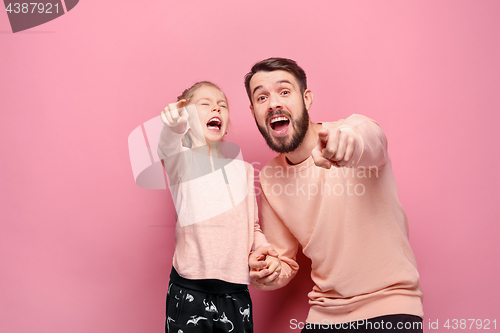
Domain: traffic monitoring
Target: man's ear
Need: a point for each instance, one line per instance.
(251, 109)
(308, 98)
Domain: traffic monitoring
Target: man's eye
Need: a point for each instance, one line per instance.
(261, 98)
(285, 92)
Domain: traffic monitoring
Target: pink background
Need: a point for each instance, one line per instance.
(84, 249)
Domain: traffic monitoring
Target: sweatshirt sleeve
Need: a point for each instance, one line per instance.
(171, 152)
(283, 242)
(259, 238)
(371, 143)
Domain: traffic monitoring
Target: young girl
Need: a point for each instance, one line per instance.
(216, 213)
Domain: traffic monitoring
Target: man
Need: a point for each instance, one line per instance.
(331, 190)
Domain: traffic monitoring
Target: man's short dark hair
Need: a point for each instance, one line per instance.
(276, 64)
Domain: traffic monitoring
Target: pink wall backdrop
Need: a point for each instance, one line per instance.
(84, 249)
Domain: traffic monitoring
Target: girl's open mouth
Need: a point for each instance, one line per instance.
(279, 124)
(214, 124)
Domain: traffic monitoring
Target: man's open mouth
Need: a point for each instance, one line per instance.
(279, 124)
(214, 124)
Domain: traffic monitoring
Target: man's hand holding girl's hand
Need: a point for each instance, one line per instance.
(265, 266)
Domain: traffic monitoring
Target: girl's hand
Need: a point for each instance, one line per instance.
(265, 266)
(274, 267)
(176, 116)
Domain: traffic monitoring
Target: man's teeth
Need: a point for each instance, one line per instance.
(274, 120)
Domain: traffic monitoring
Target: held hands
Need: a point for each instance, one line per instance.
(176, 116)
(273, 266)
(335, 148)
(265, 266)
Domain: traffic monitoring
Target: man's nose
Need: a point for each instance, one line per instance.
(274, 102)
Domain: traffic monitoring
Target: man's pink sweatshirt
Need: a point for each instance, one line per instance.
(350, 223)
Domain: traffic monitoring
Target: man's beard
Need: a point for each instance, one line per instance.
(278, 144)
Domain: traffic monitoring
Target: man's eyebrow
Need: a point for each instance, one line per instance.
(256, 88)
(284, 81)
(277, 84)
